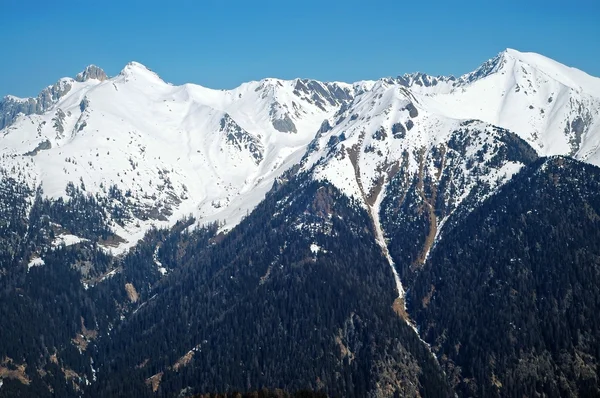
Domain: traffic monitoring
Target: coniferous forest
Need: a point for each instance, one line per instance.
(298, 300)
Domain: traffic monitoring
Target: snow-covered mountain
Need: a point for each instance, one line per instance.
(173, 150)
(179, 150)
(553, 107)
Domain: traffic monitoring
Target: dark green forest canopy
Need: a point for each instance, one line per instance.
(299, 296)
(509, 299)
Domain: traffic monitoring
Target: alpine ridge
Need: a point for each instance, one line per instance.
(409, 236)
(179, 150)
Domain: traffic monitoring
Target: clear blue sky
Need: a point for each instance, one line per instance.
(220, 44)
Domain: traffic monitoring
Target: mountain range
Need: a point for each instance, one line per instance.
(180, 150)
(217, 240)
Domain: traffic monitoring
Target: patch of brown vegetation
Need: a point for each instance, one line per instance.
(322, 205)
(154, 381)
(430, 238)
(142, 364)
(495, 381)
(388, 170)
(344, 351)
(112, 241)
(183, 361)
(70, 374)
(394, 169)
(375, 191)
(217, 239)
(428, 205)
(400, 309)
(265, 277)
(427, 299)
(10, 370)
(132, 294)
(82, 339)
(353, 153)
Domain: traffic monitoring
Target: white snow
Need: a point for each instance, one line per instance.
(380, 236)
(15, 98)
(35, 262)
(109, 274)
(190, 150)
(67, 240)
(157, 142)
(93, 370)
(533, 96)
(314, 248)
(161, 268)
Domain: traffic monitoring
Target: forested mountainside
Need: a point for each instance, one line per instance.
(411, 236)
(452, 179)
(509, 298)
(297, 296)
(59, 291)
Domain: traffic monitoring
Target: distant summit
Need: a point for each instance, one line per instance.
(91, 72)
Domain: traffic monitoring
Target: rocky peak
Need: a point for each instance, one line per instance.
(11, 107)
(488, 68)
(91, 72)
(423, 79)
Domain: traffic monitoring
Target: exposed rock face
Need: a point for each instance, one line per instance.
(11, 107)
(488, 68)
(285, 124)
(322, 94)
(83, 105)
(91, 72)
(59, 120)
(241, 139)
(578, 126)
(42, 146)
(423, 80)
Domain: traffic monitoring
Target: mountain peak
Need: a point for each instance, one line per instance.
(486, 69)
(566, 75)
(136, 65)
(91, 72)
(136, 69)
(511, 52)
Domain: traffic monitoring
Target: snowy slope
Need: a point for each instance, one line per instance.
(553, 107)
(179, 150)
(387, 134)
(173, 150)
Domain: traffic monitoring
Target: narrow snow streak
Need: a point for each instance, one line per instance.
(380, 238)
(161, 268)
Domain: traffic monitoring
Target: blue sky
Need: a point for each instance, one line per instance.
(220, 44)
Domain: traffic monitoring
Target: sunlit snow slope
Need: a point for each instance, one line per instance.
(179, 150)
(173, 150)
(553, 107)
